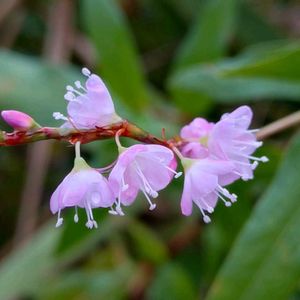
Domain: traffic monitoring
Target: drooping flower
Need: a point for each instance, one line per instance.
(231, 139)
(18, 120)
(145, 168)
(90, 106)
(228, 139)
(202, 185)
(83, 187)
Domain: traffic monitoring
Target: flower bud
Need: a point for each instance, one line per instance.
(18, 120)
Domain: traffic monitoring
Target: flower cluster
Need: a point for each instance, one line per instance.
(213, 155)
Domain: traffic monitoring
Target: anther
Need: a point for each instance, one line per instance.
(70, 88)
(112, 211)
(76, 218)
(89, 224)
(59, 222)
(227, 203)
(206, 219)
(69, 96)
(152, 206)
(59, 116)
(177, 174)
(86, 72)
(119, 211)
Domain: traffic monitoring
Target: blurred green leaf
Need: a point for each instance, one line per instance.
(106, 284)
(265, 260)
(173, 281)
(253, 27)
(146, 243)
(118, 59)
(27, 268)
(219, 236)
(267, 71)
(33, 86)
(76, 241)
(208, 38)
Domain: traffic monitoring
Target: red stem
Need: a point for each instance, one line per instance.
(84, 136)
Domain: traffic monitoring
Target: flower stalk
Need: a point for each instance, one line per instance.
(84, 136)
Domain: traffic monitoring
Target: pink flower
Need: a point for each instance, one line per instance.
(196, 134)
(83, 187)
(89, 106)
(202, 185)
(228, 139)
(145, 168)
(18, 120)
(231, 139)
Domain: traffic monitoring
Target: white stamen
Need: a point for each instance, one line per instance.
(177, 174)
(124, 186)
(244, 177)
(90, 222)
(254, 143)
(225, 192)
(76, 218)
(118, 206)
(119, 211)
(86, 72)
(69, 96)
(254, 165)
(112, 211)
(79, 86)
(227, 203)
(206, 218)
(234, 199)
(70, 88)
(146, 185)
(262, 159)
(59, 220)
(208, 207)
(59, 116)
(152, 205)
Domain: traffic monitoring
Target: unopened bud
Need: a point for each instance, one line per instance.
(18, 120)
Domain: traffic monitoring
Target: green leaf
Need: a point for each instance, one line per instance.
(118, 59)
(265, 260)
(267, 71)
(173, 281)
(146, 243)
(253, 27)
(26, 269)
(104, 284)
(208, 39)
(34, 86)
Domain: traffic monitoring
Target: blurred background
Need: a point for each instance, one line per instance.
(165, 62)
